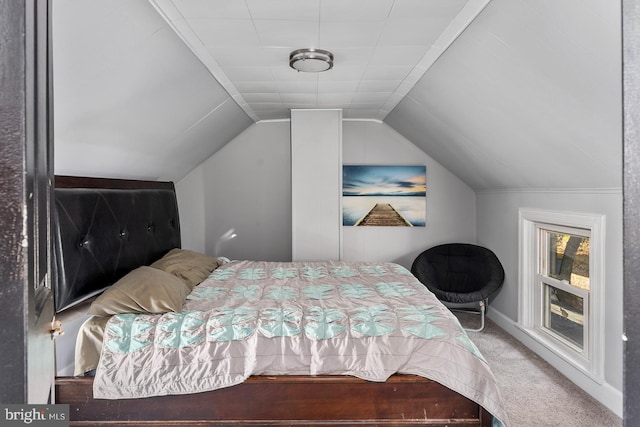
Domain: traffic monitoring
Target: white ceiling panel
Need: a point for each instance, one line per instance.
(286, 33)
(310, 87)
(228, 33)
(257, 87)
(392, 72)
(355, 34)
(241, 74)
(341, 73)
(422, 32)
(262, 97)
(295, 98)
(398, 55)
(409, 9)
(339, 99)
(293, 10)
(350, 57)
(286, 74)
(225, 9)
(372, 41)
(370, 97)
(346, 86)
(378, 85)
(247, 56)
(355, 10)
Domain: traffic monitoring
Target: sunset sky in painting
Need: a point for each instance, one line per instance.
(361, 180)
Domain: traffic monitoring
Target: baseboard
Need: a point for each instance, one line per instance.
(604, 393)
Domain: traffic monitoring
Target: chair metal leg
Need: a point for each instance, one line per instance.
(482, 310)
(481, 313)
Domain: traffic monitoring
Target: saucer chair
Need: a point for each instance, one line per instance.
(460, 273)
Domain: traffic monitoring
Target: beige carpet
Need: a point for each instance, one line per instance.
(535, 394)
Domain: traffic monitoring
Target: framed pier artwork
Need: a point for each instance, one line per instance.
(380, 195)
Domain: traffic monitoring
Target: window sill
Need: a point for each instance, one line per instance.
(569, 356)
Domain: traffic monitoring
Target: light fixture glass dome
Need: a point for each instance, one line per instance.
(311, 60)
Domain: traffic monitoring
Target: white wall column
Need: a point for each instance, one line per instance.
(316, 184)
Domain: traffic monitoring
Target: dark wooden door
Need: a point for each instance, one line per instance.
(631, 191)
(27, 364)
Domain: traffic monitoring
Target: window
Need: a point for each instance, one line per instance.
(563, 277)
(561, 298)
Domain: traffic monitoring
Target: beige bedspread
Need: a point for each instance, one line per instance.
(369, 320)
(89, 344)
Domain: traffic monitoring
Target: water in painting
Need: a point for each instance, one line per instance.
(402, 187)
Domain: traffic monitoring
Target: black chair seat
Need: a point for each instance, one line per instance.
(459, 272)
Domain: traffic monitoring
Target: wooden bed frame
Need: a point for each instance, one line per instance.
(403, 400)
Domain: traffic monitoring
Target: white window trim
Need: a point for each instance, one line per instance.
(542, 279)
(529, 221)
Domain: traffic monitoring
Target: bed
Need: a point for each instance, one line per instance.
(334, 333)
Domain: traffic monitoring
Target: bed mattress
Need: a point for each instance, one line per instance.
(368, 320)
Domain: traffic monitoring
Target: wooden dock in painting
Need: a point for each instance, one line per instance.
(383, 214)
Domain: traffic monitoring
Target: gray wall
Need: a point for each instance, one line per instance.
(450, 202)
(497, 225)
(246, 186)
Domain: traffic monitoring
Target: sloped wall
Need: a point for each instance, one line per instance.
(529, 96)
(130, 99)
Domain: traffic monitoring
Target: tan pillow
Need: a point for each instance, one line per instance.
(143, 290)
(192, 267)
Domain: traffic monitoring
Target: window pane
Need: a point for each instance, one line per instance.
(564, 314)
(569, 259)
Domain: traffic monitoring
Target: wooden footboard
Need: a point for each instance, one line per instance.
(403, 400)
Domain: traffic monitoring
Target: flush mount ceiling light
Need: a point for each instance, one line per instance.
(311, 60)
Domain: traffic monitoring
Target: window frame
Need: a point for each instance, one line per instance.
(543, 279)
(532, 222)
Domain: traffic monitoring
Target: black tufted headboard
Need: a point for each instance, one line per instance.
(105, 228)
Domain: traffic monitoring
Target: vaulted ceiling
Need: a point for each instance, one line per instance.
(504, 93)
(381, 48)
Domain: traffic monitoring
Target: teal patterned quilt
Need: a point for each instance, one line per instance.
(369, 320)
